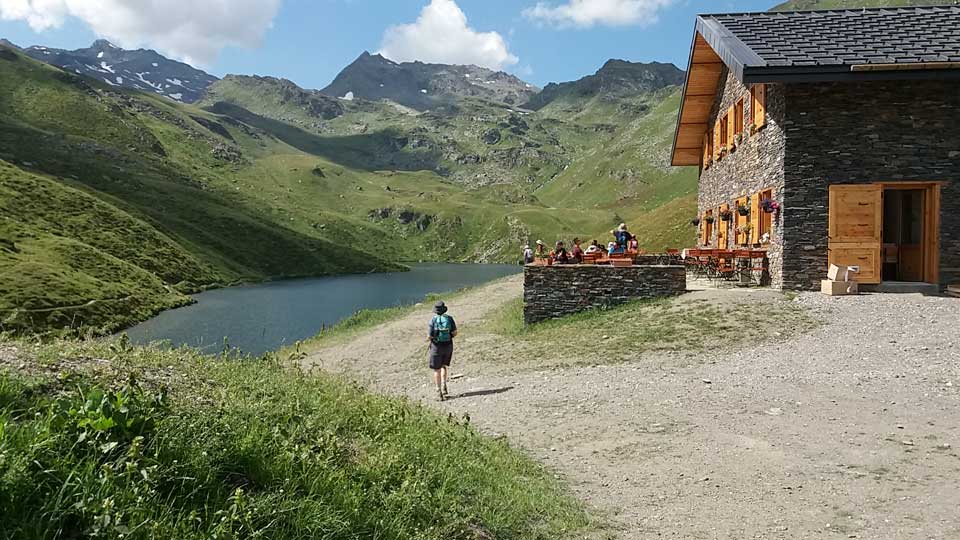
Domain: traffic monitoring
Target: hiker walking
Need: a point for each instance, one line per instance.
(442, 331)
(527, 254)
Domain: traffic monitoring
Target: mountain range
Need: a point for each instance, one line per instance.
(128, 180)
(120, 197)
(141, 69)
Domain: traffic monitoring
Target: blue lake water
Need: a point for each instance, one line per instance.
(259, 318)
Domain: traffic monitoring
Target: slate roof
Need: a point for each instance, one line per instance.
(771, 46)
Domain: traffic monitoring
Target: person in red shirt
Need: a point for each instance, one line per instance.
(576, 254)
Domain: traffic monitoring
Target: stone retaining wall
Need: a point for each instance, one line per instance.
(555, 291)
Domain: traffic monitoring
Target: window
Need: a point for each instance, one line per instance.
(738, 117)
(723, 227)
(739, 221)
(758, 105)
(764, 220)
(707, 227)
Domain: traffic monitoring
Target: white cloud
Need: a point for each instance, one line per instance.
(589, 13)
(195, 31)
(441, 35)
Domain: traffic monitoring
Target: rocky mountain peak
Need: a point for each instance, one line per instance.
(103, 44)
(423, 86)
(6, 43)
(141, 69)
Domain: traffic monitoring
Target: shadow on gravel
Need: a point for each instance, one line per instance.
(477, 393)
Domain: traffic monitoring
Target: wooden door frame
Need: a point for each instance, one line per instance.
(931, 224)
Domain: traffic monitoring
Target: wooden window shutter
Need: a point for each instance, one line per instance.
(706, 148)
(703, 229)
(738, 117)
(755, 212)
(717, 140)
(731, 125)
(759, 105)
(709, 148)
(723, 232)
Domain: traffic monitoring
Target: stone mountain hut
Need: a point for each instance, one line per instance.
(829, 137)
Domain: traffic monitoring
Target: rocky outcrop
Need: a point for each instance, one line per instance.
(424, 86)
(421, 222)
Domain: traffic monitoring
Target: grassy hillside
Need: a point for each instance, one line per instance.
(104, 440)
(575, 167)
(110, 212)
(265, 180)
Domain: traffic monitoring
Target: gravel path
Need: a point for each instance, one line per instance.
(849, 431)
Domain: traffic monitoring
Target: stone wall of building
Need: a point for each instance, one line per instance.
(756, 164)
(555, 291)
(850, 133)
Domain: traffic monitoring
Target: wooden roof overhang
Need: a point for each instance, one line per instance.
(700, 89)
(715, 47)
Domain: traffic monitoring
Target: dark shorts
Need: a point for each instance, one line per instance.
(440, 355)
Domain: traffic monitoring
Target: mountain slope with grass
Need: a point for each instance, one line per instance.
(122, 197)
(263, 179)
(596, 148)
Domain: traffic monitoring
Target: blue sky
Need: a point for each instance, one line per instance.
(310, 41)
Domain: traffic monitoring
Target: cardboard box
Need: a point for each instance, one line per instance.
(836, 272)
(838, 288)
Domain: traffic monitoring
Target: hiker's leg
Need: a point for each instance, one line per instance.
(437, 377)
(446, 374)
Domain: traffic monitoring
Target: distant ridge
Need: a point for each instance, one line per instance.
(141, 69)
(422, 86)
(617, 78)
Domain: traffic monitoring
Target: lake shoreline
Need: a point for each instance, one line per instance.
(267, 316)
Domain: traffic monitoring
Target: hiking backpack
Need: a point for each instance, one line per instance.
(443, 327)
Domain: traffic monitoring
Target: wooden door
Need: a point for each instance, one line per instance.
(856, 229)
(931, 234)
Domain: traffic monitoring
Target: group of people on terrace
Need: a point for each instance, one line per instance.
(624, 242)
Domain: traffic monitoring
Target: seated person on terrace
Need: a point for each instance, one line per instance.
(560, 254)
(622, 238)
(612, 248)
(576, 254)
(594, 247)
(633, 245)
(541, 250)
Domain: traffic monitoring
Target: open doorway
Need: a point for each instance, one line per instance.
(903, 234)
(890, 231)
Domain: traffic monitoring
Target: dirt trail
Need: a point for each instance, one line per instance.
(850, 431)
